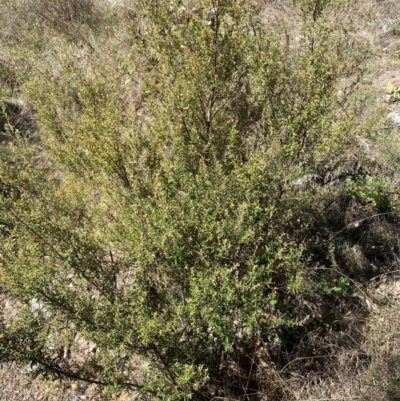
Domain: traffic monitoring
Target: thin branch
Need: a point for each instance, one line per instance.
(357, 222)
(88, 380)
(302, 358)
(385, 274)
(34, 232)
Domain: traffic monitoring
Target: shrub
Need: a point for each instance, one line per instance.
(165, 228)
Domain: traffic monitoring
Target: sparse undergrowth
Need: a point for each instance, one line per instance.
(198, 200)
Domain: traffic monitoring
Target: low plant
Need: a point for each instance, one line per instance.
(157, 218)
(375, 192)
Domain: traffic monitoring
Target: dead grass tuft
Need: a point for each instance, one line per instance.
(383, 344)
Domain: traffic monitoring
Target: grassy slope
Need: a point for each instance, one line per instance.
(377, 28)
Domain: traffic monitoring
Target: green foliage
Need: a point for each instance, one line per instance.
(376, 192)
(165, 228)
(342, 285)
(395, 29)
(333, 283)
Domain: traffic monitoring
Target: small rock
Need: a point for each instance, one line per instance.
(394, 118)
(393, 98)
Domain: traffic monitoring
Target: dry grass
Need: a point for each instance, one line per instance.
(17, 385)
(360, 360)
(383, 343)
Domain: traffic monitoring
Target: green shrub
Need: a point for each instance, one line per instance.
(372, 191)
(164, 226)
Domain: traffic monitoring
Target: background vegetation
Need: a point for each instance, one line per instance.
(198, 200)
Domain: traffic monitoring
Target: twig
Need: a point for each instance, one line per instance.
(384, 274)
(302, 358)
(357, 222)
(34, 232)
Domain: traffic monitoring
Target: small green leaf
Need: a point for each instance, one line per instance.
(327, 321)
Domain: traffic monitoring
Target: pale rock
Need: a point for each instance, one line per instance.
(394, 118)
